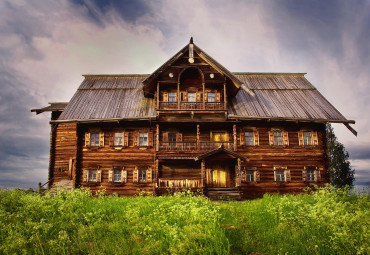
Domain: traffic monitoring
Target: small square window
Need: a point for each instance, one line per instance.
(249, 140)
(192, 97)
(92, 176)
(118, 139)
(172, 139)
(311, 175)
(117, 176)
(211, 97)
(143, 139)
(250, 176)
(280, 176)
(278, 138)
(142, 175)
(307, 138)
(94, 139)
(172, 97)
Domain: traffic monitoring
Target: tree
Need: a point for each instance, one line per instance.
(341, 172)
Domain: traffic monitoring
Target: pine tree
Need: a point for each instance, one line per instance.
(341, 172)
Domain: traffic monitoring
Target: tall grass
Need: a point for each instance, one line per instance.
(324, 222)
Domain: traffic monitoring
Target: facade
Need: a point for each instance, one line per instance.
(192, 124)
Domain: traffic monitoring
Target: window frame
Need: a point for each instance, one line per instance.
(192, 95)
(142, 137)
(91, 174)
(310, 173)
(170, 137)
(142, 175)
(210, 97)
(117, 173)
(308, 137)
(172, 96)
(276, 138)
(94, 137)
(250, 138)
(252, 174)
(280, 173)
(115, 139)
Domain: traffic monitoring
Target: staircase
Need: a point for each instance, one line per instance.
(65, 185)
(223, 194)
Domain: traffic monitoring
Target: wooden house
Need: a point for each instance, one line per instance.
(192, 124)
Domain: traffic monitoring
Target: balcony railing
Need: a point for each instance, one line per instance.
(192, 146)
(192, 106)
(179, 183)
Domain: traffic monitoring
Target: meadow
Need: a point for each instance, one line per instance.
(326, 221)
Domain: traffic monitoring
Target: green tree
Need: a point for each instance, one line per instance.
(341, 172)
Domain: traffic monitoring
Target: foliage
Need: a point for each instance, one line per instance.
(341, 173)
(327, 221)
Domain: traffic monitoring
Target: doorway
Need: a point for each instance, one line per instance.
(219, 174)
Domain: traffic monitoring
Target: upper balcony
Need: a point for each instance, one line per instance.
(212, 106)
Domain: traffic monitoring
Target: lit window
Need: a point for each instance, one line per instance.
(278, 138)
(94, 139)
(118, 139)
(249, 138)
(117, 177)
(307, 138)
(142, 175)
(211, 97)
(172, 139)
(280, 176)
(310, 175)
(92, 176)
(192, 97)
(171, 97)
(250, 176)
(143, 139)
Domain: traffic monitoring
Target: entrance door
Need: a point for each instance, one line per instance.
(218, 175)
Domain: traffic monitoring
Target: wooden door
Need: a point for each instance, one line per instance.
(218, 175)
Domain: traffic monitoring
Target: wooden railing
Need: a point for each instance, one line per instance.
(192, 146)
(179, 183)
(192, 106)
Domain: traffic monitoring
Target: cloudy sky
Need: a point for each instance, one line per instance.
(45, 46)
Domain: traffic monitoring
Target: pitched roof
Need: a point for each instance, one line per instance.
(54, 106)
(279, 96)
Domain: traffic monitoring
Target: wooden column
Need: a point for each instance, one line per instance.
(156, 172)
(198, 138)
(157, 138)
(157, 95)
(178, 95)
(238, 180)
(203, 170)
(235, 141)
(225, 97)
(204, 95)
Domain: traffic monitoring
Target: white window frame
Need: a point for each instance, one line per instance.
(172, 96)
(211, 97)
(118, 137)
(192, 97)
(116, 174)
(143, 139)
(250, 138)
(307, 139)
(92, 175)
(278, 140)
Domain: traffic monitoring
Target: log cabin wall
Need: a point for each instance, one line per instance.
(63, 152)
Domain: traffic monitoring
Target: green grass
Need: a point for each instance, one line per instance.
(324, 222)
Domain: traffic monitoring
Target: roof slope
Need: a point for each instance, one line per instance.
(277, 96)
(109, 97)
(282, 96)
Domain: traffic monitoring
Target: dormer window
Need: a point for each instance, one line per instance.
(172, 97)
(192, 97)
(211, 97)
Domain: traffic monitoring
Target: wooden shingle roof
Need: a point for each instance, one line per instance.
(278, 96)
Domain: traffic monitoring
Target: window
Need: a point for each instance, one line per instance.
(94, 139)
(250, 176)
(192, 97)
(92, 175)
(117, 175)
(311, 175)
(172, 139)
(143, 139)
(142, 175)
(307, 138)
(172, 97)
(118, 139)
(279, 176)
(249, 138)
(211, 97)
(278, 138)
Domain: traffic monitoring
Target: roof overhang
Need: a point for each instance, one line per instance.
(221, 149)
(54, 106)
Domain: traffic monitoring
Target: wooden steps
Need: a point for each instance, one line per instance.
(223, 194)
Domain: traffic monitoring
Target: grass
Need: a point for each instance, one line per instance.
(323, 222)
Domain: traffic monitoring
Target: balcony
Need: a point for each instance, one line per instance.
(179, 183)
(192, 106)
(192, 146)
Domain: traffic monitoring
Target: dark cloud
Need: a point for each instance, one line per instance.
(359, 151)
(129, 10)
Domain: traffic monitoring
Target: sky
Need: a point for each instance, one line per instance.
(46, 46)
